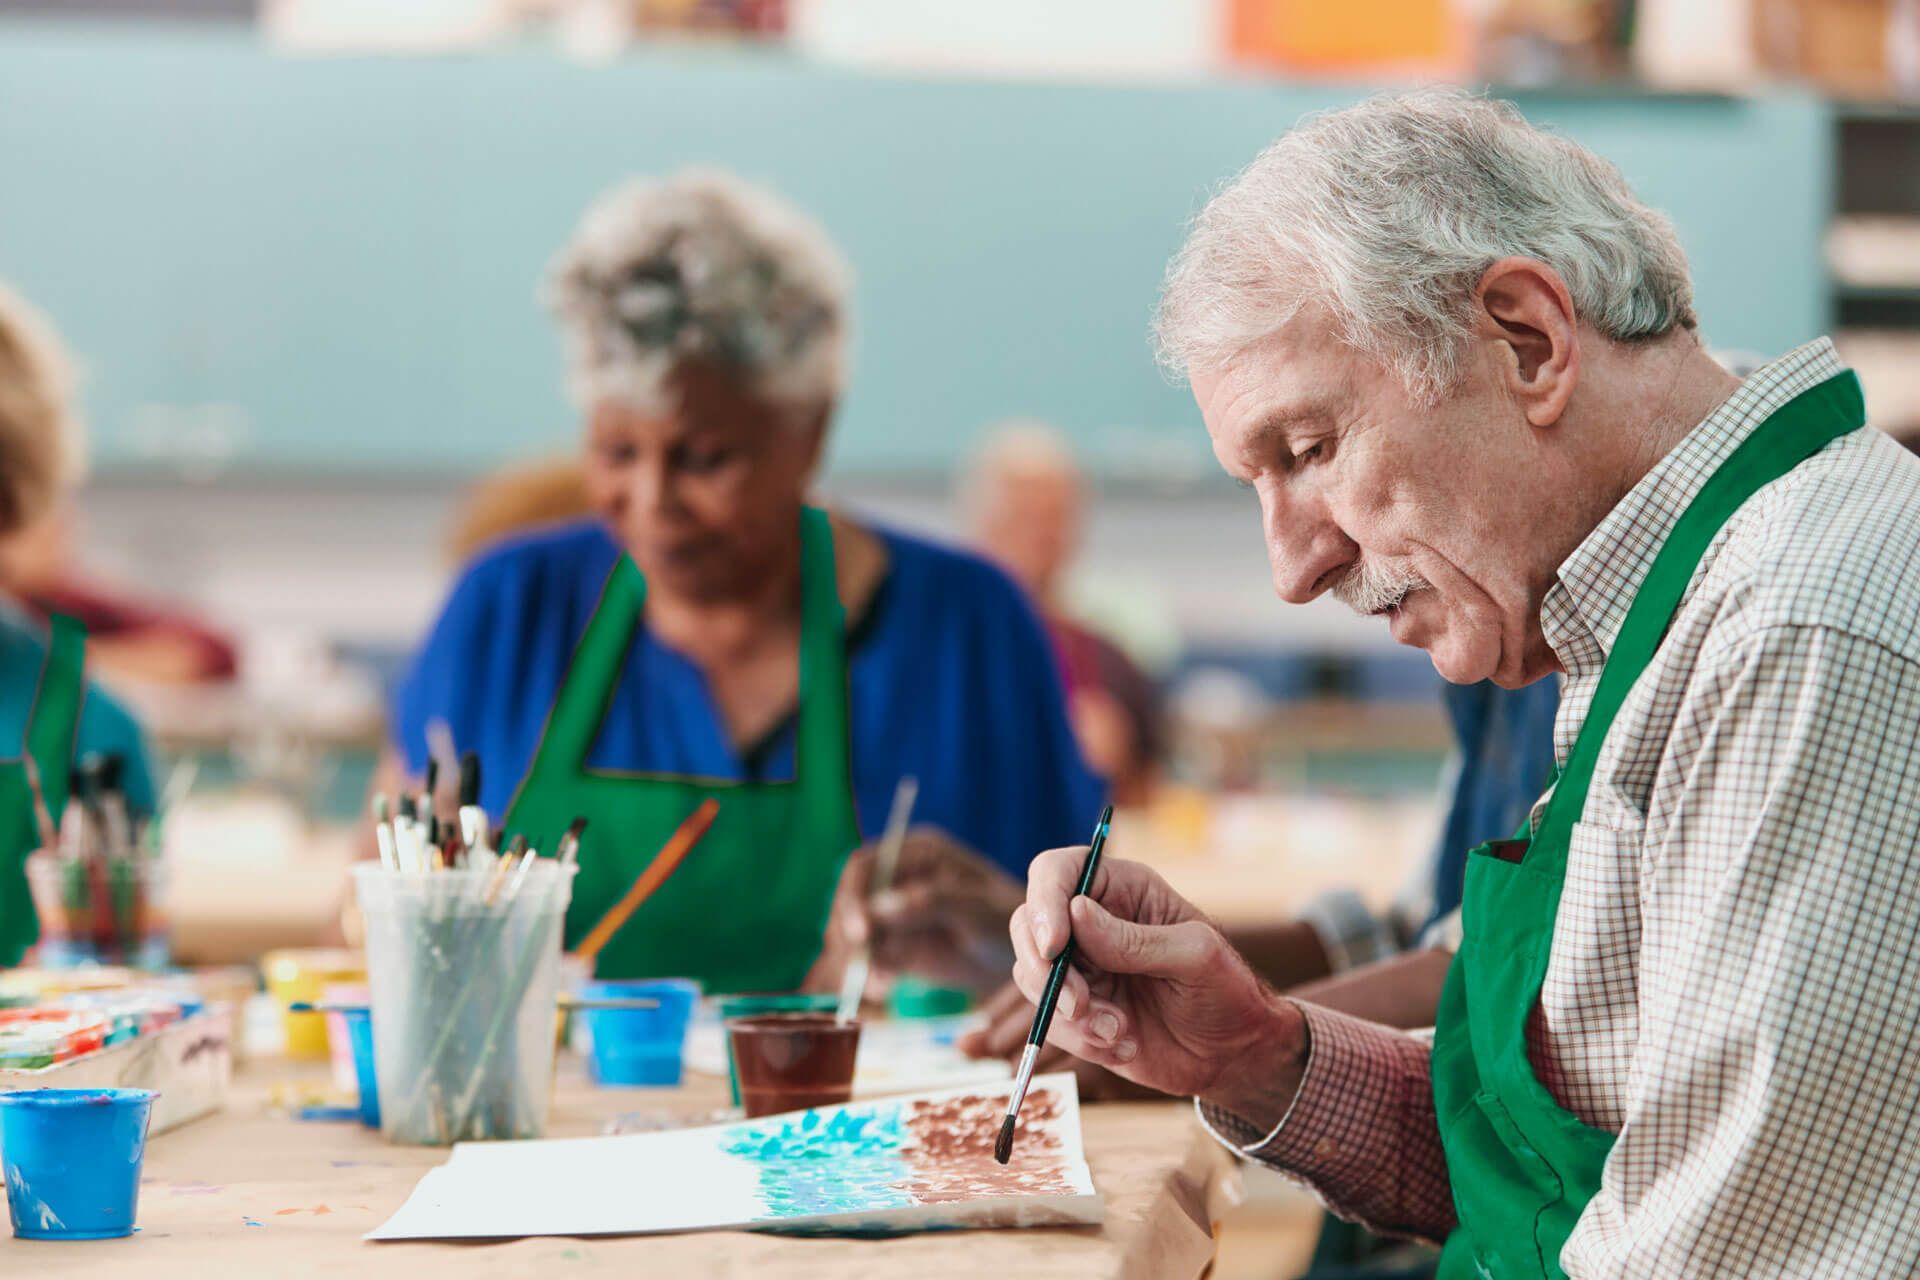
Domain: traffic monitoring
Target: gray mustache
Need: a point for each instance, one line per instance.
(1375, 586)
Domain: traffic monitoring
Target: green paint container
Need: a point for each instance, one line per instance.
(912, 998)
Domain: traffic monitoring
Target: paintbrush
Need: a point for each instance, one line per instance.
(1050, 997)
(475, 831)
(853, 987)
(429, 819)
(569, 851)
(383, 833)
(678, 845)
(518, 849)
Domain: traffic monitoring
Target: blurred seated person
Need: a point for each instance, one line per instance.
(1024, 499)
(710, 631)
(50, 714)
(518, 498)
(127, 639)
(1388, 965)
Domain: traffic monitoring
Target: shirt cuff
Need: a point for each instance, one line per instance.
(1328, 1128)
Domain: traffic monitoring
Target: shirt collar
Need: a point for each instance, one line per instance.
(1585, 607)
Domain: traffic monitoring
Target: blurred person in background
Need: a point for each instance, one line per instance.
(48, 708)
(128, 640)
(709, 632)
(1024, 497)
(518, 498)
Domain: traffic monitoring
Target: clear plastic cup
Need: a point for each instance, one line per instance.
(71, 1159)
(464, 968)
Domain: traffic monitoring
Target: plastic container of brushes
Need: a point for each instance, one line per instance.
(464, 971)
(105, 911)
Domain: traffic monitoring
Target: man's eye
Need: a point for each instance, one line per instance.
(1310, 453)
(618, 455)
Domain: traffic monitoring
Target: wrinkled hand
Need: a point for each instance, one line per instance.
(1155, 992)
(943, 919)
(1007, 1018)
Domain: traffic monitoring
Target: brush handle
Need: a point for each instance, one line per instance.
(678, 845)
(1057, 976)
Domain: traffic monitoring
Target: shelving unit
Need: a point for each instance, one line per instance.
(1876, 291)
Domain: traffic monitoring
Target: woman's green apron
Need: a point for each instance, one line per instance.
(51, 728)
(1522, 1168)
(747, 909)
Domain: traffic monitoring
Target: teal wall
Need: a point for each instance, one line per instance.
(344, 252)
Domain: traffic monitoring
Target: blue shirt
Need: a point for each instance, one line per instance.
(1506, 761)
(105, 727)
(950, 677)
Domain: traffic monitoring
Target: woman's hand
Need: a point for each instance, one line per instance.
(1155, 992)
(943, 918)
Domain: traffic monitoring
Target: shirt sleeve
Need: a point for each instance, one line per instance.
(1361, 1132)
(1768, 1130)
(467, 648)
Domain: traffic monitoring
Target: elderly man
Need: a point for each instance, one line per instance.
(1456, 360)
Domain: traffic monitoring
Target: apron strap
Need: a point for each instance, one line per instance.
(53, 725)
(1794, 432)
(587, 688)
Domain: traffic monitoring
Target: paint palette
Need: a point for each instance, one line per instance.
(886, 1166)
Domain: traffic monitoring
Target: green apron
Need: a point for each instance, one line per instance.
(1523, 1168)
(52, 726)
(747, 909)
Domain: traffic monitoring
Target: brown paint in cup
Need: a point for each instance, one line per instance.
(792, 1061)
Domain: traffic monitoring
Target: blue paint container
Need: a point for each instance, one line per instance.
(72, 1159)
(639, 1046)
(360, 1034)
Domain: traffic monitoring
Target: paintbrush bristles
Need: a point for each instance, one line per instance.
(1003, 1146)
(470, 779)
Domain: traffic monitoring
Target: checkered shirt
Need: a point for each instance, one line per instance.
(1734, 988)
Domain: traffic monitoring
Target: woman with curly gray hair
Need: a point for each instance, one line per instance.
(710, 632)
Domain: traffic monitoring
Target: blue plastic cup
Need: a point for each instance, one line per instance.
(639, 1046)
(360, 1035)
(72, 1160)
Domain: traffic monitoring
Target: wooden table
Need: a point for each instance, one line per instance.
(250, 1192)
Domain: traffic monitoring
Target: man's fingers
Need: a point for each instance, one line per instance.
(1051, 879)
(1121, 946)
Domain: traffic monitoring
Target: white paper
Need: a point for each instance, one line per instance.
(887, 1165)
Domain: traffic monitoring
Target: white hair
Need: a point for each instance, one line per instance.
(700, 267)
(1388, 213)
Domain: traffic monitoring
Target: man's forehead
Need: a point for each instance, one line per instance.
(1265, 386)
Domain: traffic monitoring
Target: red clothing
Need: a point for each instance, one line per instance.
(107, 616)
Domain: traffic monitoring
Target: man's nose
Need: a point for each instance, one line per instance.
(1305, 549)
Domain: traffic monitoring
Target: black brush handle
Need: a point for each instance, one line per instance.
(1057, 977)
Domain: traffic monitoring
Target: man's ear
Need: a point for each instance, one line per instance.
(1522, 305)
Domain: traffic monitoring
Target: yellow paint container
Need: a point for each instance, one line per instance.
(300, 974)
